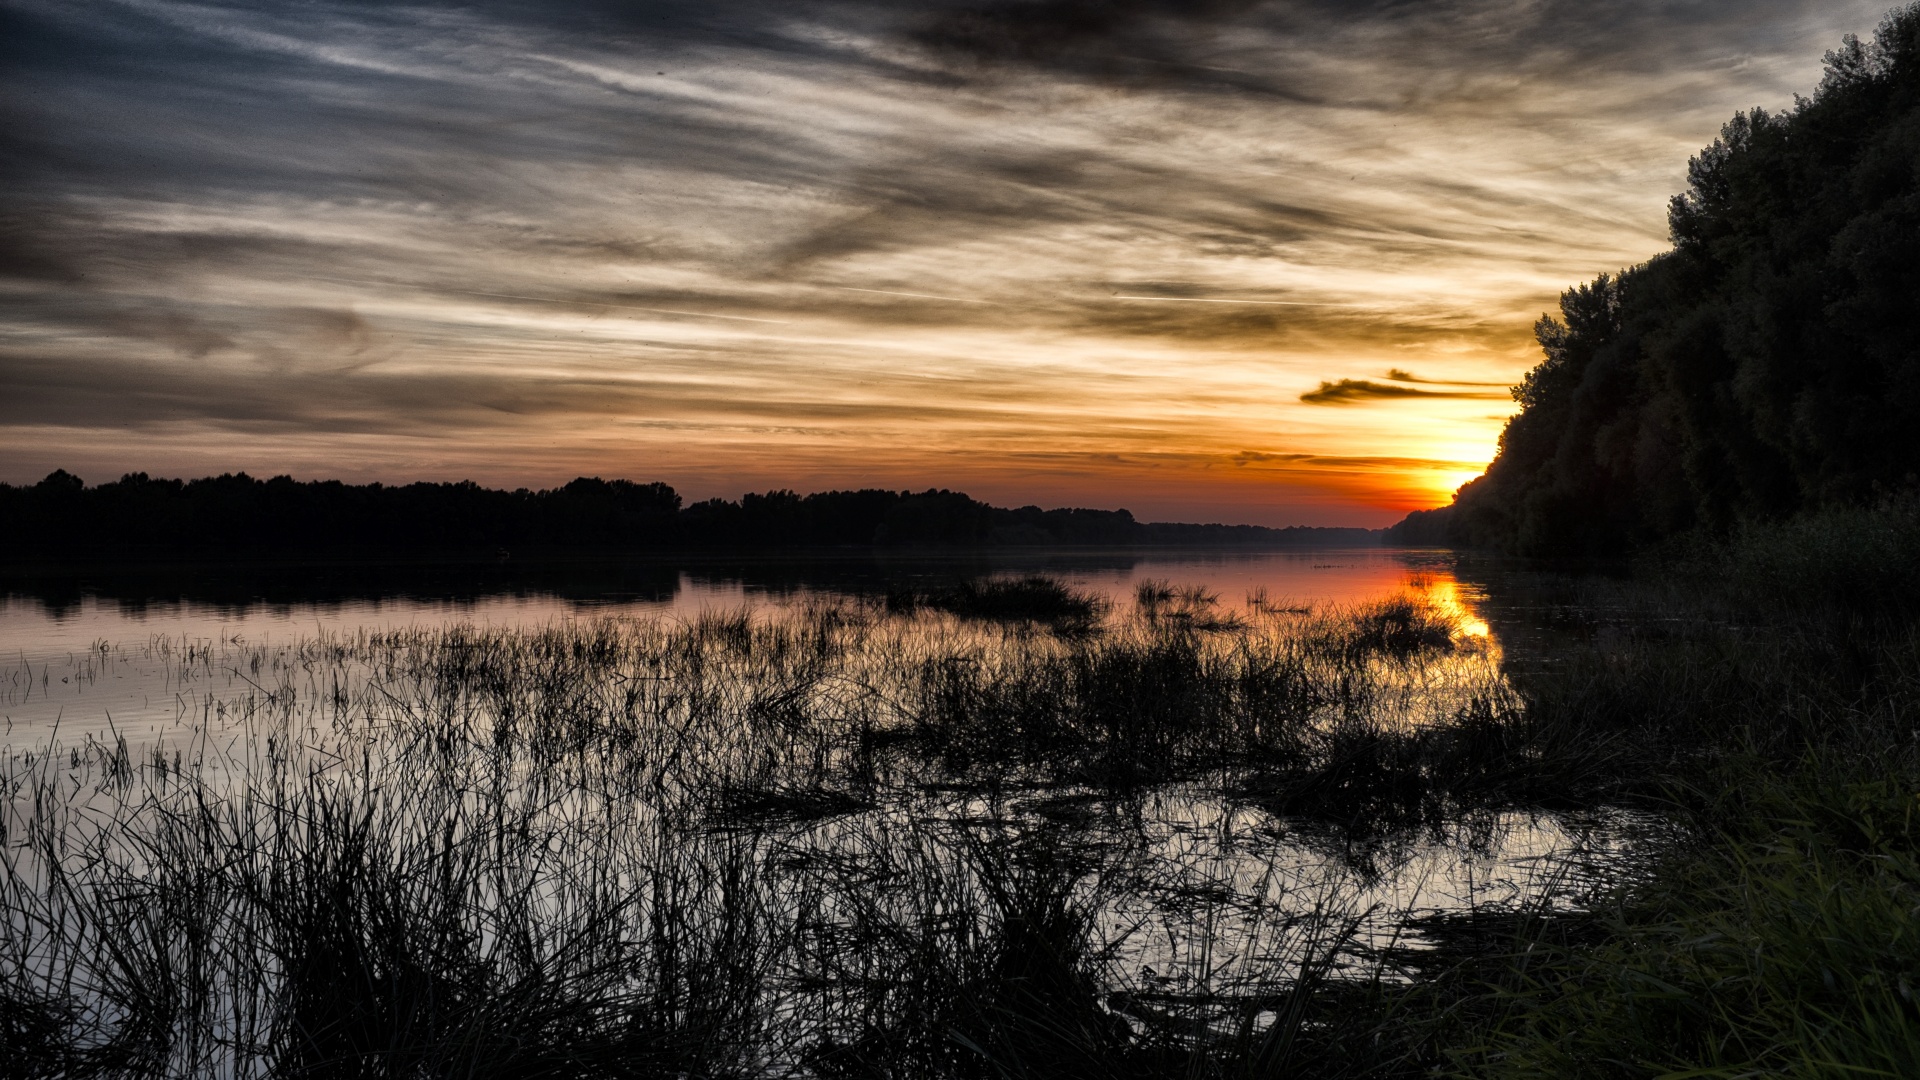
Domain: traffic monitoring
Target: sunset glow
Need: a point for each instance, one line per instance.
(739, 247)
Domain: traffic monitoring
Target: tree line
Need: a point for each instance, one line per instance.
(1767, 366)
(63, 519)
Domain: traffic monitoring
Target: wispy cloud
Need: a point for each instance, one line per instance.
(1398, 375)
(1048, 249)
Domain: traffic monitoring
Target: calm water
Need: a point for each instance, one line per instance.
(113, 688)
(99, 654)
(46, 621)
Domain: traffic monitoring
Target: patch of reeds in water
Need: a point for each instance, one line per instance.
(744, 845)
(1031, 599)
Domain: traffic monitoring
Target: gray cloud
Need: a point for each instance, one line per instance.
(1256, 457)
(1355, 391)
(437, 218)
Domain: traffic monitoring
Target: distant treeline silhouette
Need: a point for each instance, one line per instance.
(62, 519)
(1768, 365)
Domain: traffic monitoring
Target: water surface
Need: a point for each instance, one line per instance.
(45, 618)
(134, 695)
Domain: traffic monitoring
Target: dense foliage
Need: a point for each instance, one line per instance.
(1767, 365)
(62, 519)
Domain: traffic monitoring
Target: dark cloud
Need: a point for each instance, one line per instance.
(1428, 44)
(1355, 391)
(1144, 44)
(1047, 29)
(179, 330)
(31, 249)
(430, 219)
(192, 385)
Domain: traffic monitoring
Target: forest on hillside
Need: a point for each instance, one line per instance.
(1767, 366)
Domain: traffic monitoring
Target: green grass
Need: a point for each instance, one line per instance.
(1770, 708)
(1785, 945)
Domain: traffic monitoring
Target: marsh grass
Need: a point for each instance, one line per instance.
(784, 843)
(1779, 943)
(1845, 562)
(1032, 599)
(1183, 689)
(344, 922)
(1763, 696)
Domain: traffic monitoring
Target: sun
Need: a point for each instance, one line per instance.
(1451, 480)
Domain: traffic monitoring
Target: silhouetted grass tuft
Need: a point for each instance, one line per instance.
(1027, 599)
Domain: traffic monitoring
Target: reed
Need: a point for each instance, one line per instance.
(740, 845)
(875, 839)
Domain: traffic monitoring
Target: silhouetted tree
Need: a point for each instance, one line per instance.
(60, 519)
(1768, 364)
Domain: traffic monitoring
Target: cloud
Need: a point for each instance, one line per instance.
(1397, 375)
(1375, 461)
(1141, 44)
(1354, 391)
(1258, 457)
(826, 229)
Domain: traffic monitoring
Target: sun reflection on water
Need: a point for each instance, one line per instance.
(1456, 602)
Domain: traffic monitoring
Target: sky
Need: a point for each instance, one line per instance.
(1212, 260)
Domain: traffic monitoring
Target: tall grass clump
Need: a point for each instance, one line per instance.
(1033, 598)
(973, 958)
(329, 920)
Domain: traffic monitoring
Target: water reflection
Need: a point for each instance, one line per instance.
(47, 616)
(1199, 796)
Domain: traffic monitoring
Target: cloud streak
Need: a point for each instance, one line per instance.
(1355, 391)
(1052, 247)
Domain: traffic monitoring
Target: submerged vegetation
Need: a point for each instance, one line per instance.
(1032, 598)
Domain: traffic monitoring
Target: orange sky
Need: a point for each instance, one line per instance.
(1033, 255)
